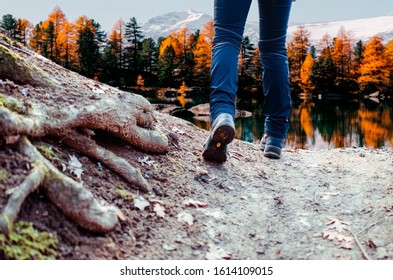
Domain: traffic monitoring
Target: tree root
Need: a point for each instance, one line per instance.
(76, 201)
(127, 117)
(44, 100)
(89, 147)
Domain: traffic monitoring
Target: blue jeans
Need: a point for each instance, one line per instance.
(229, 20)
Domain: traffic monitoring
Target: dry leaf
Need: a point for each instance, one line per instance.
(338, 232)
(157, 201)
(194, 203)
(11, 139)
(328, 195)
(177, 130)
(75, 166)
(337, 224)
(146, 161)
(168, 247)
(141, 203)
(185, 218)
(120, 215)
(217, 253)
(160, 210)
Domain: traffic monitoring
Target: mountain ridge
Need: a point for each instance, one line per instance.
(362, 29)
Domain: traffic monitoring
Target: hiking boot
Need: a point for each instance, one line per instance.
(271, 147)
(222, 132)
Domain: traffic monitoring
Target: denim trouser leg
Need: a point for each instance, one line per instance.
(229, 20)
(273, 24)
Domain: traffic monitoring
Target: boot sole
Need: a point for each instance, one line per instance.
(272, 152)
(217, 147)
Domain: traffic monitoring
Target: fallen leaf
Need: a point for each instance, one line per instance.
(168, 248)
(11, 139)
(371, 244)
(338, 232)
(146, 161)
(328, 195)
(194, 203)
(217, 253)
(160, 210)
(75, 166)
(338, 225)
(157, 201)
(120, 215)
(185, 218)
(141, 203)
(177, 130)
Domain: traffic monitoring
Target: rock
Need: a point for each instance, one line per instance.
(204, 110)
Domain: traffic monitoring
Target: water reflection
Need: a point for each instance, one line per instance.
(315, 124)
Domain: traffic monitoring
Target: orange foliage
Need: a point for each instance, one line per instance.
(375, 65)
(67, 44)
(24, 26)
(203, 50)
(325, 46)
(342, 52)
(297, 52)
(306, 73)
(389, 56)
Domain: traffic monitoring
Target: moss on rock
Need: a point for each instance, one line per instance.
(25, 242)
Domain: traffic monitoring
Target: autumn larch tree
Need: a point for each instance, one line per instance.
(342, 55)
(297, 51)
(374, 70)
(389, 55)
(306, 74)
(202, 53)
(324, 71)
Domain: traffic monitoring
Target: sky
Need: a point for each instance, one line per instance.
(108, 12)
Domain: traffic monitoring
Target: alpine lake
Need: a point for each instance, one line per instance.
(322, 122)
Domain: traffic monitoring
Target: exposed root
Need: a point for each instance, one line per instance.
(71, 197)
(84, 144)
(127, 116)
(18, 196)
(94, 106)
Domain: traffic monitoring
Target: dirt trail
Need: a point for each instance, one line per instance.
(308, 205)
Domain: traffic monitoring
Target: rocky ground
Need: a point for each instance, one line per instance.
(329, 204)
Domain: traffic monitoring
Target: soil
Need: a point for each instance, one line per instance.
(325, 204)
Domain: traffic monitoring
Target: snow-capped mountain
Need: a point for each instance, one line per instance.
(162, 26)
(361, 29)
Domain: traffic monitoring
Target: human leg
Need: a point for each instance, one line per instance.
(273, 24)
(229, 20)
